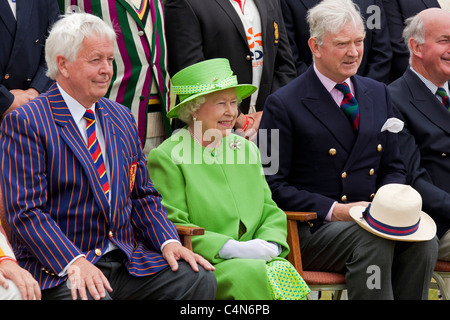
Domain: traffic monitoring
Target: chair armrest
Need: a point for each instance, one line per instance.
(301, 216)
(293, 240)
(185, 233)
(190, 231)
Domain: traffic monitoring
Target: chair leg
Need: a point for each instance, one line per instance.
(337, 295)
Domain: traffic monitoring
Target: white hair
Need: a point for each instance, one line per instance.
(329, 16)
(190, 107)
(415, 29)
(67, 35)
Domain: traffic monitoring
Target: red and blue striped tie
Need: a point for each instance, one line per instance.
(94, 149)
(443, 94)
(349, 105)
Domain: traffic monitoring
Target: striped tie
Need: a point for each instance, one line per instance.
(349, 105)
(443, 94)
(94, 149)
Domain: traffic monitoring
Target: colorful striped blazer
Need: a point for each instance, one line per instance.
(140, 60)
(54, 200)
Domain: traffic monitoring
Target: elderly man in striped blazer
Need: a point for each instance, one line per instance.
(86, 219)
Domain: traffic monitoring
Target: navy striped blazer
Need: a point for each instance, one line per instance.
(54, 199)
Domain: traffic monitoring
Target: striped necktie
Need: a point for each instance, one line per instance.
(443, 94)
(349, 105)
(94, 149)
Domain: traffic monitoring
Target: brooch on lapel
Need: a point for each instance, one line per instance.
(235, 145)
(132, 174)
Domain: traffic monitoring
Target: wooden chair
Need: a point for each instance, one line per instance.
(316, 280)
(186, 234)
(441, 272)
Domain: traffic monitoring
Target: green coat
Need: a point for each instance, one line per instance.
(220, 193)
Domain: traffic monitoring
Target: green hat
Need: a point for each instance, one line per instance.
(203, 78)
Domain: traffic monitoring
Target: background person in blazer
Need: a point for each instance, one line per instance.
(141, 79)
(425, 139)
(67, 218)
(397, 11)
(23, 29)
(197, 30)
(376, 60)
(328, 166)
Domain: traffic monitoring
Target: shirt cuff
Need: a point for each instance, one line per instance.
(64, 271)
(330, 213)
(169, 241)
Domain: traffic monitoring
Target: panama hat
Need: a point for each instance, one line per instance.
(203, 78)
(396, 213)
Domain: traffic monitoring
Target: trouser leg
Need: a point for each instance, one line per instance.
(375, 268)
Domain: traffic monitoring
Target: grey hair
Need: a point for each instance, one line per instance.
(67, 35)
(329, 16)
(186, 111)
(414, 28)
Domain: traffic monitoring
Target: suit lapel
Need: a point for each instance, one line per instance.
(262, 8)
(424, 101)
(231, 13)
(320, 103)
(431, 3)
(23, 12)
(128, 7)
(309, 3)
(7, 17)
(73, 139)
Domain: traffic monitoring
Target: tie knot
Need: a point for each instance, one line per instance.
(441, 92)
(343, 87)
(89, 116)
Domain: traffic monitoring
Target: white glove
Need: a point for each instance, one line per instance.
(253, 249)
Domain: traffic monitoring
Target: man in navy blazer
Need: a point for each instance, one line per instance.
(376, 60)
(328, 166)
(397, 11)
(425, 139)
(23, 31)
(89, 224)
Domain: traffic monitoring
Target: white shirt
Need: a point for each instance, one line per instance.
(12, 4)
(430, 85)
(251, 21)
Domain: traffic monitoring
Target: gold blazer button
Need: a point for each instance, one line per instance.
(98, 252)
(332, 152)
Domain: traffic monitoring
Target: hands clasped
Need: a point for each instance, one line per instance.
(252, 249)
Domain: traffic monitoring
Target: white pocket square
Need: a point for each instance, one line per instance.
(393, 125)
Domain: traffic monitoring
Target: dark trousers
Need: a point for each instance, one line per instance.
(374, 267)
(184, 284)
